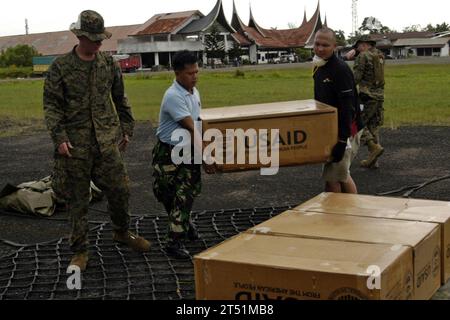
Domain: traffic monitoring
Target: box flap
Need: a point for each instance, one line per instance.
(341, 227)
(265, 111)
(305, 254)
(382, 207)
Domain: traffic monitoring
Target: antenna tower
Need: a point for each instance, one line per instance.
(354, 16)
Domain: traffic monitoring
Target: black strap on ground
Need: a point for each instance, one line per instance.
(410, 190)
(38, 271)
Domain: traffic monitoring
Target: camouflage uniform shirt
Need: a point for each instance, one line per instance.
(78, 106)
(369, 74)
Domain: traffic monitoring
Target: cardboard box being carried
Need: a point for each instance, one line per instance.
(423, 238)
(308, 131)
(263, 267)
(389, 208)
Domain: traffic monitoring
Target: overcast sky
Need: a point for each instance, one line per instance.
(53, 15)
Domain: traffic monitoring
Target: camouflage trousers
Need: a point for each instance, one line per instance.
(175, 186)
(373, 117)
(72, 181)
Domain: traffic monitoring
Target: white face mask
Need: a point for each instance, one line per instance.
(318, 61)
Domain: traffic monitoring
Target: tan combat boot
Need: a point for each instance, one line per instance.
(80, 260)
(375, 151)
(135, 242)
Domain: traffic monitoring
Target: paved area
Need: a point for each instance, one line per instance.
(414, 155)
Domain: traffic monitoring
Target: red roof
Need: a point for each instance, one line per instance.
(162, 26)
(242, 40)
(166, 22)
(61, 42)
(404, 35)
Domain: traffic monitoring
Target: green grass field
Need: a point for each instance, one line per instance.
(415, 94)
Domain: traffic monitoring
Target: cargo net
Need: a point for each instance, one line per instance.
(39, 271)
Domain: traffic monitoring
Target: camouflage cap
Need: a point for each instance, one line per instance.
(91, 25)
(366, 39)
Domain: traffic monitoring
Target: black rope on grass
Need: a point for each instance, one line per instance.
(410, 190)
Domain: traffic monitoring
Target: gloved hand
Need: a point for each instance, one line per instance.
(339, 151)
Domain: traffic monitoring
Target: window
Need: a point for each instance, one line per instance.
(160, 38)
(193, 38)
(428, 52)
(436, 52)
(177, 37)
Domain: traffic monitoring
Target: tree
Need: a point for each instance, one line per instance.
(372, 25)
(20, 56)
(354, 37)
(340, 38)
(235, 52)
(413, 28)
(2, 59)
(214, 44)
(304, 54)
(443, 27)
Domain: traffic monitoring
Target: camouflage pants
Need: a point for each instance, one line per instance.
(373, 117)
(175, 186)
(72, 181)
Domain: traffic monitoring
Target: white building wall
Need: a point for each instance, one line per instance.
(445, 51)
(253, 52)
(133, 45)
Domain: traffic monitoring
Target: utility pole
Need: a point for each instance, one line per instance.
(354, 16)
(26, 26)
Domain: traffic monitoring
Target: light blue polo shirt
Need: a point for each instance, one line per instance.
(177, 104)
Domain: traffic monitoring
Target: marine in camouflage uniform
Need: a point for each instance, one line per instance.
(369, 75)
(79, 113)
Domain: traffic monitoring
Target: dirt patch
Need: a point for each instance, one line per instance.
(413, 155)
(14, 127)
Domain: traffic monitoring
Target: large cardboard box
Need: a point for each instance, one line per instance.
(308, 131)
(389, 208)
(263, 267)
(423, 238)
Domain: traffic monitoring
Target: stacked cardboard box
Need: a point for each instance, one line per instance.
(334, 247)
(265, 267)
(389, 208)
(423, 238)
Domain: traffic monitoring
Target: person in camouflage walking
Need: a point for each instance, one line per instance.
(176, 185)
(369, 75)
(89, 134)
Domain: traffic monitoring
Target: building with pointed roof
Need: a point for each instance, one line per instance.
(267, 44)
(162, 35)
(165, 34)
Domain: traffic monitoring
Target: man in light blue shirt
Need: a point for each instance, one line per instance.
(187, 105)
(176, 185)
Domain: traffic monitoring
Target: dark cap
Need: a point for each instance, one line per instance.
(364, 39)
(91, 25)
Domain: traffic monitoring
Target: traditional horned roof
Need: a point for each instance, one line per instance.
(236, 22)
(305, 20)
(203, 24)
(187, 22)
(253, 24)
(272, 38)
